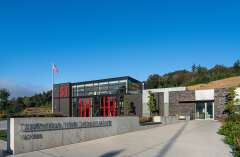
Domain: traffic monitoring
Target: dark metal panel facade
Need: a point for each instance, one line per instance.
(135, 102)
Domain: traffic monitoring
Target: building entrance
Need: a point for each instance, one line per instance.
(204, 110)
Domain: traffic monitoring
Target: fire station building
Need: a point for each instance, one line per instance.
(97, 98)
(105, 98)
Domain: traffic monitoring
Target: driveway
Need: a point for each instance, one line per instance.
(184, 139)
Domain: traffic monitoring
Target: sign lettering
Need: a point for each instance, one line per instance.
(38, 127)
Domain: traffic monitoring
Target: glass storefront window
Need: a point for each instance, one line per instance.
(103, 88)
(74, 107)
(134, 88)
(80, 90)
(74, 91)
(122, 87)
(89, 89)
(113, 87)
(96, 89)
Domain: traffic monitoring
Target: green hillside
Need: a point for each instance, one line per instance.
(197, 75)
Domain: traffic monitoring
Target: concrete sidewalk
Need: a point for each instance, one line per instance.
(190, 139)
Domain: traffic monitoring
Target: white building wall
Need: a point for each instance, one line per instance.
(166, 91)
(201, 95)
(238, 95)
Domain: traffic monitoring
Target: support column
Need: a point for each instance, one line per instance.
(109, 106)
(205, 110)
(80, 107)
(104, 106)
(85, 108)
(89, 107)
(114, 107)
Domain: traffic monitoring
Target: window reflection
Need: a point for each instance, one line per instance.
(104, 88)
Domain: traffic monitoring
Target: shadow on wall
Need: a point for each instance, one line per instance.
(167, 147)
(112, 153)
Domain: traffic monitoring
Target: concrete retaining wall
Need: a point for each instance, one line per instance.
(31, 134)
(169, 119)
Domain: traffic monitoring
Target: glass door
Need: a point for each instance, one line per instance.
(200, 110)
(204, 110)
(209, 109)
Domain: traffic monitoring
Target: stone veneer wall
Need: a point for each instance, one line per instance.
(219, 101)
(181, 103)
(160, 102)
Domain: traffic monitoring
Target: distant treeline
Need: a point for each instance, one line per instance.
(198, 74)
(17, 105)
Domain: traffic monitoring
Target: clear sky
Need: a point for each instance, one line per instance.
(94, 39)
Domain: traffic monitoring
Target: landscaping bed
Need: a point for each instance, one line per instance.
(143, 120)
(231, 131)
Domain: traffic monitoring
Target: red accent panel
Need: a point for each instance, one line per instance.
(80, 107)
(109, 105)
(104, 106)
(89, 107)
(85, 108)
(62, 91)
(66, 90)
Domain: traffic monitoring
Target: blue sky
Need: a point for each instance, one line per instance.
(97, 39)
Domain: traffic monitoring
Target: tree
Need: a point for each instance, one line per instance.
(200, 69)
(4, 96)
(236, 67)
(194, 68)
(230, 105)
(152, 103)
(236, 64)
(26, 101)
(126, 105)
(153, 81)
(178, 78)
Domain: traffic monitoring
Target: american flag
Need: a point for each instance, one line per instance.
(54, 68)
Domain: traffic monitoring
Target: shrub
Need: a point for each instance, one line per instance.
(233, 118)
(238, 147)
(3, 135)
(231, 130)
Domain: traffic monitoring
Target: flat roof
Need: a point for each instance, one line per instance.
(106, 80)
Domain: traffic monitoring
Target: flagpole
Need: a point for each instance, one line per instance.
(52, 86)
